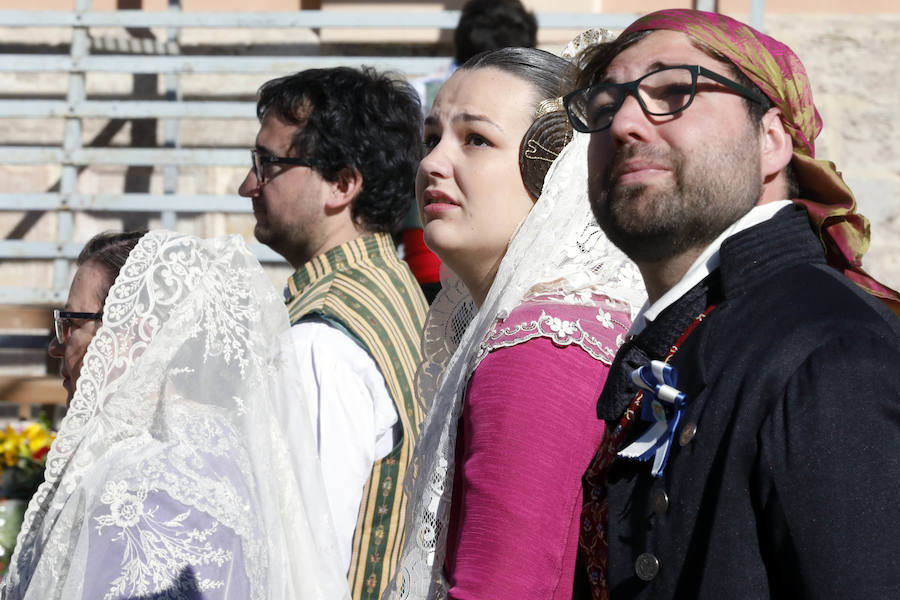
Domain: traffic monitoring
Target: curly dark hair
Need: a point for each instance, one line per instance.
(359, 119)
(489, 24)
(109, 250)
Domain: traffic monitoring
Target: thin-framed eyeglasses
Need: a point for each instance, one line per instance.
(262, 163)
(62, 322)
(666, 91)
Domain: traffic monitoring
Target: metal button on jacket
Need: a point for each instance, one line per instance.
(646, 566)
(687, 433)
(660, 502)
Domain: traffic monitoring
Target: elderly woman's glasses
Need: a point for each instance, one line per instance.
(667, 91)
(262, 164)
(62, 322)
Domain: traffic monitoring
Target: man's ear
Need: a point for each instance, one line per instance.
(776, 148)
(347, 186)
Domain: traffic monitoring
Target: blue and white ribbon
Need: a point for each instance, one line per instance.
(663, 406)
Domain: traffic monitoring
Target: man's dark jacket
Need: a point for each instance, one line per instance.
(789, 486)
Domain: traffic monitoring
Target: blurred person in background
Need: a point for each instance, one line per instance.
(483, 25)
(330, 182)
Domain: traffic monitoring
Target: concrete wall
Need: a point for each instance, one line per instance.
(851, 60)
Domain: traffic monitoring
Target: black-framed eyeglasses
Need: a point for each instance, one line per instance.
(666, 91)
(262, 164)
(62, 322)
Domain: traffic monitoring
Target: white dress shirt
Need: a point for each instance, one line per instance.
(351, 412)
(706, 263)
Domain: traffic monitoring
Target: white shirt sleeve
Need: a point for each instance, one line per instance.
(351, 412)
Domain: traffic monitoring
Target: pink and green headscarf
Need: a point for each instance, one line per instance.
(778, 72)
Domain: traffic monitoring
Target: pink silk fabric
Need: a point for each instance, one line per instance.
(526, 437)
(528, 432)
(780, 75)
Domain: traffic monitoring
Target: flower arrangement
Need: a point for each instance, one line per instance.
(23, 453)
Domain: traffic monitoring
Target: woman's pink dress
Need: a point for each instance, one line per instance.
(528, 431)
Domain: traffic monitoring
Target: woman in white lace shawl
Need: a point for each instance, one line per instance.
(170, 477)
(517, 344)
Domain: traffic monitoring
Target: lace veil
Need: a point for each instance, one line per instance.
(557, 252)
(170, 476)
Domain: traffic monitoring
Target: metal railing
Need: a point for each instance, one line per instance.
(73, 156)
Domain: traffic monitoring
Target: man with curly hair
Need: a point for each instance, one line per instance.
(333, 172)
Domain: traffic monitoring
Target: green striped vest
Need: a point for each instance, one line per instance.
(364, 288)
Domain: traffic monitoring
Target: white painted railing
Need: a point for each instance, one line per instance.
(163, 58)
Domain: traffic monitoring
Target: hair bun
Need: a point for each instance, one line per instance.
(542, 143)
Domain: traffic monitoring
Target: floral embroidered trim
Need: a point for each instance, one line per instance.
(556, 322)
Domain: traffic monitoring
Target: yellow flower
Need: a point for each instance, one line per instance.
(24, 448)
(38, 438)
(10, 441)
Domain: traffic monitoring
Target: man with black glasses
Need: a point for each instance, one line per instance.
(753, 415)
(333, 174)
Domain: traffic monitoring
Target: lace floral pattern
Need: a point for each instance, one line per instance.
(588, 321)
(149, 544)
(162, 482)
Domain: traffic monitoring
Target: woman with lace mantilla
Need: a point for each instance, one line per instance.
(518, 343)
(169, 477)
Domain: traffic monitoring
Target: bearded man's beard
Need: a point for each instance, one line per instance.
(656, 221)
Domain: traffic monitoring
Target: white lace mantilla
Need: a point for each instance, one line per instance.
(170, 476)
